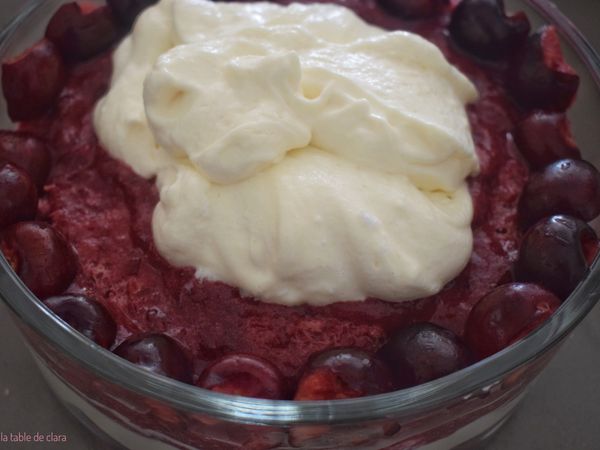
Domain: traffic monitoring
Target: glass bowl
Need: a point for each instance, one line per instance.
(138, 409)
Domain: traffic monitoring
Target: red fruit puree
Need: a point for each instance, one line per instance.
(105, 210)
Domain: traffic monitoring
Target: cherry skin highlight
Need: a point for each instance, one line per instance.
(343, 373)
(567, 186)
(507, 314)
(26, 152)
(18, 195)
(25, 96)
(85, 315)
(553, 254)
(424, 352)
(40, 256)
(159, 354)
(246, 375)
(482, 28)
(543, 138)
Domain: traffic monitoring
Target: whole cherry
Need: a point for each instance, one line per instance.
(567, 186)
(554, 254)
(85, 315)
(343, 373)
(482, 28)
(543, 138)
(159, 354)
(246, 375)
(26, 152)
(18, 195)
(415, 9)
(40, 256)
(126, 11)
(508, 313)
(26, 97)
(81, 33)
(423, 352)
(539, 77)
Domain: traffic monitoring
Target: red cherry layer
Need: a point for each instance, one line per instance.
(159, 354)
(543, 138)
(482, 28)
(82, 33)
(27, 98)
(26, 152)
(85, 315)
(567, 186)
(18, 195)
(243, 375)
(127, 11)
(415, 9)
(424, 352)
(343, 373)
(553, 255)
(540, 78)
(507, 314)
(41, 257)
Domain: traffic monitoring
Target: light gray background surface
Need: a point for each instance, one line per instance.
(561, 412)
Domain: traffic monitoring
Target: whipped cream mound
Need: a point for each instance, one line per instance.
(301, 154)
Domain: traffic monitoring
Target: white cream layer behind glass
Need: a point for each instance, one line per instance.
(300, 154)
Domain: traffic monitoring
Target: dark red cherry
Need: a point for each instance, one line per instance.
(27, 97)
(543, 138)
(553, 255)
(41, 257)
(540, 78)
(127, 11)
(85, 315)
(18, 195)
(568, 186)
(482, 28)
(343, 373)
(243, 375)
(81, 33)
(26, 152)
(424, 352)
(415, 9)
(159, 354)
(508, 313)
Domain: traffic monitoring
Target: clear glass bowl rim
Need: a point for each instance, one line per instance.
(398, 404)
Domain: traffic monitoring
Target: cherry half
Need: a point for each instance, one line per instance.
(415, 9)
(543, 138)
(482, 28)
(85, 315)
(567, 186)
(26, 152)
(127, 11)
(32, 81)
(424, 352)
(40, 256)
(507, 314)
(18, 195)
(82, 33)
(554, 254)
(245, 375)
(343, 373)
(540, 78)
(159, 354)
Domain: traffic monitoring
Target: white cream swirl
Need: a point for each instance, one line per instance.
(301, 154)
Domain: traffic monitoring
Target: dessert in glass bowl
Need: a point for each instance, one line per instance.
(176, 322)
